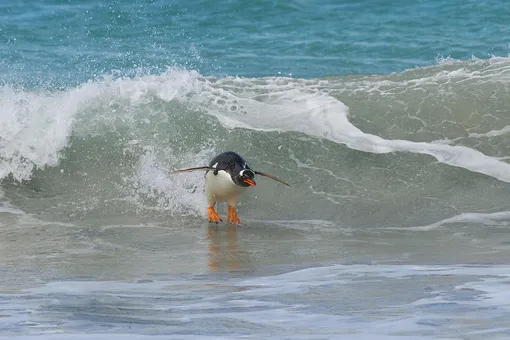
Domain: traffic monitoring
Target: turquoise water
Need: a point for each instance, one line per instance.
(390, 122)
(69, 42)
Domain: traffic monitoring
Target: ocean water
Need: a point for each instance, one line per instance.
(391, 122)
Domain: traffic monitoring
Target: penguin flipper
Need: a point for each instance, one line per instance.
(200, 168)
(272, 177)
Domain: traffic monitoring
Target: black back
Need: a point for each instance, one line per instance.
(233, 164)
(229, 161)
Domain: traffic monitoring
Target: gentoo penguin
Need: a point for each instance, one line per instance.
(226, 177)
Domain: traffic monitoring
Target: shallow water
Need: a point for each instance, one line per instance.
(296, 280)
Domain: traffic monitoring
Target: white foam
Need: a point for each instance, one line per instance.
(33, 129)
(35, 126)
(494, 69)
(324, 275)
(492, 133)
(466, 218)
(493, 292)
(272, 106)
(180, 193)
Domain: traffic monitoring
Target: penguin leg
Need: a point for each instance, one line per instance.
(232, 215)
(212, 215)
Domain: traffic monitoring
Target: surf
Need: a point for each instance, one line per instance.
(113, 138)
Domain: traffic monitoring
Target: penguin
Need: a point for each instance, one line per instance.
(226, 177)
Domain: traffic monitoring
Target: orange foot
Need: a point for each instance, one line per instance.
(232, 216)
(213, 215)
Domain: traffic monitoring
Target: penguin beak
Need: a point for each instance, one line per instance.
(249, 182)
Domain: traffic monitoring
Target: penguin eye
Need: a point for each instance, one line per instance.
(247, 173)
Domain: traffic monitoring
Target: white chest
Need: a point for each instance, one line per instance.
(221, 188)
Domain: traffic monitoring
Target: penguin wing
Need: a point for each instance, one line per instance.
(200, 168)
(272, 177)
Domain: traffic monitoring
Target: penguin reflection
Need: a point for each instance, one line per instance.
(223, 250)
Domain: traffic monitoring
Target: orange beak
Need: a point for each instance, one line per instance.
(249, 182)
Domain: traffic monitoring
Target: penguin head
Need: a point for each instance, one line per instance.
(244, 177)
